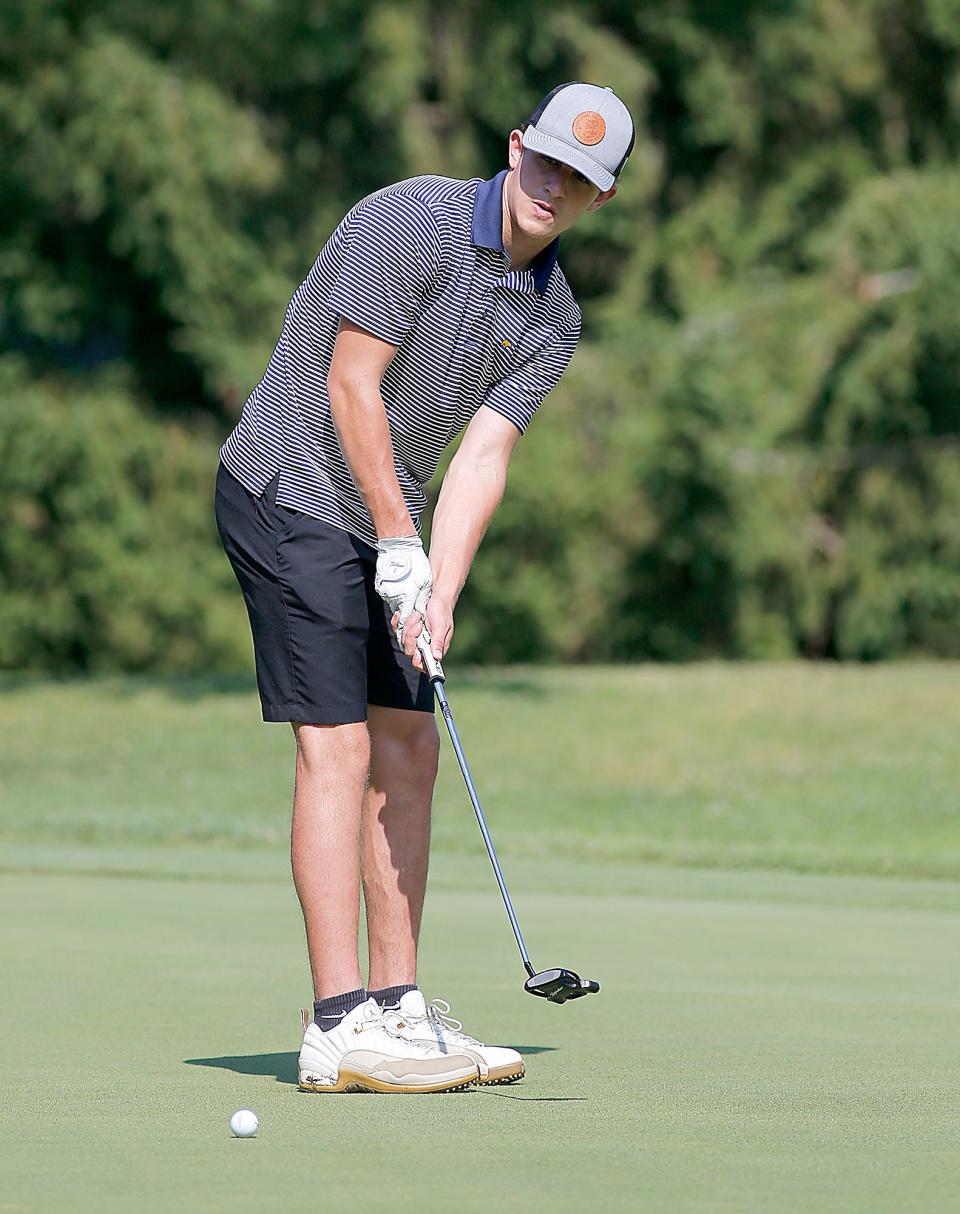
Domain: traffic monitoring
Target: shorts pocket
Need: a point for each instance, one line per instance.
(286, 520)
(281, 520)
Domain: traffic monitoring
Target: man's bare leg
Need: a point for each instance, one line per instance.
(404, 750)
(332, 764)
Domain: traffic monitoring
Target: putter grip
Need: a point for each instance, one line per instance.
(434, 669)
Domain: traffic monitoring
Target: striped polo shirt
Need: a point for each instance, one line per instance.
(420, 264)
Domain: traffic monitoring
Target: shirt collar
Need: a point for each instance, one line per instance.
(487, 231)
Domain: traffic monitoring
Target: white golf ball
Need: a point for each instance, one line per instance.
(244, 1123)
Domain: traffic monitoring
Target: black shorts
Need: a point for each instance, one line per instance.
(322, 639)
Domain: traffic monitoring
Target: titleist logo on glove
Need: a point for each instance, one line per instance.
(403, 575)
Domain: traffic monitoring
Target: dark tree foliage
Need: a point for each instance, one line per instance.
(757, 449)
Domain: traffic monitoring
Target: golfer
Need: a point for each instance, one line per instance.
(437, 306)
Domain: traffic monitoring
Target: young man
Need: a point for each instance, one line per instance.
(435, 305)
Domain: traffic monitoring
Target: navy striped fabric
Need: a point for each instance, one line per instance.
(421, 265)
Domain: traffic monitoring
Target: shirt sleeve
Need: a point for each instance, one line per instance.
(390, 258)
(519, 395)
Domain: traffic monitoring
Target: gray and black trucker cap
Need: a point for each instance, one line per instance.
(585, 126)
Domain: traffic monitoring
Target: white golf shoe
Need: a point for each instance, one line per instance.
(365, 1054)
(431, 1024)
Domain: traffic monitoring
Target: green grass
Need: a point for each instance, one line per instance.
(813, 768)
(760, 1045)
(766, 1040)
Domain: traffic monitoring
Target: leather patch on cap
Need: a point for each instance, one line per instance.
(589, 128)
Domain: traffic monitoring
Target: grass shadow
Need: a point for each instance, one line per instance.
(496, 679)
(129, 686)
(283, 1066)
(200, 686)
(485, 1091)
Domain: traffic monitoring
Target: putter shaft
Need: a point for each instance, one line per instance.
(556, 985)
(435, 671)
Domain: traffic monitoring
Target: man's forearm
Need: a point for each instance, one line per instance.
(468, 498)
(364, 435)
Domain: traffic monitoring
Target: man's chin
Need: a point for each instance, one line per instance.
(540, 227)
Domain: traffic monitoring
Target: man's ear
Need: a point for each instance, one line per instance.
(515, 148)
(602, 199)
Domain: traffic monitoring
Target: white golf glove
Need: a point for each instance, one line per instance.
(403, 576)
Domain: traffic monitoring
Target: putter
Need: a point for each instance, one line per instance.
(555, 985)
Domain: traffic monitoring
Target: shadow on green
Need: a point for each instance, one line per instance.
(283, 1066)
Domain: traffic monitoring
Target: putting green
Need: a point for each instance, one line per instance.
(762, 1043)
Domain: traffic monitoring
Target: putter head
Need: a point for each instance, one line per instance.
(560, 985)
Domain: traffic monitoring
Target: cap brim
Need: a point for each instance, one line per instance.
(536, 141)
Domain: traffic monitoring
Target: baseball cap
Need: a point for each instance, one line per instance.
(584, 126)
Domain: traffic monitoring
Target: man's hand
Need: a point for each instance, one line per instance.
(439, 620)
(403, 576)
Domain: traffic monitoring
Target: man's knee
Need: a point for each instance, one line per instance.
(410, 738)
(323, 748)
(425, 745)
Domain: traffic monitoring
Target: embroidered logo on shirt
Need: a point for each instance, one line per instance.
(589, 128)
(506, 344)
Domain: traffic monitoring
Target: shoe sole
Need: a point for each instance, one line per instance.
(500, 1075)
(353, 1081)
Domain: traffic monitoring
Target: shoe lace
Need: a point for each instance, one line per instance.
(438, 1013)
(393, 1023)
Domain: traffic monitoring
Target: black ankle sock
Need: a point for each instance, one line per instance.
(391, 995)
(327, 1013)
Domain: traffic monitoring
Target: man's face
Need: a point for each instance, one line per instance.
(545, 196)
